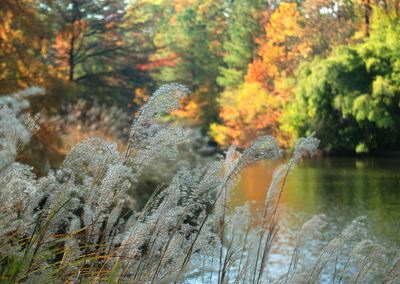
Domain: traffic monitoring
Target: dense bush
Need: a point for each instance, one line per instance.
(352, 98)
(77, 223)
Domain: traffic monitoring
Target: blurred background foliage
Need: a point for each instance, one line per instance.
(254, 67)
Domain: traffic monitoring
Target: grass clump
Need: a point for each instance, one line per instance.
(77, 223)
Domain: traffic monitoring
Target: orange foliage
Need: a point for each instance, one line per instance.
(188, 109)
(64, 41)
(180, 5)
(158, 62)
(255, 108)
(141, 96)
(191, 106)
(247, 112)
(280, 50)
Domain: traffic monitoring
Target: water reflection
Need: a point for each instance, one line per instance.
(340, 188)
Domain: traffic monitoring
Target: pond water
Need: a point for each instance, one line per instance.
(340, 188)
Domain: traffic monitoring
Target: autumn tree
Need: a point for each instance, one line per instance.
(280, 50)
(83, 30)
(191, 40)
(244, 20)
(244, 114)
(90, 49)
(23, 45)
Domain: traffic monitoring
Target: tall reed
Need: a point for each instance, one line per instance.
(76, 224)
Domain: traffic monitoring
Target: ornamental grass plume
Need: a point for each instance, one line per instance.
(77, 224)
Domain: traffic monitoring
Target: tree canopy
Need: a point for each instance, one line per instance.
(253, 67)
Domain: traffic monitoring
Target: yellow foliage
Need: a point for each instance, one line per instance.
(188, 109)
(220, 134)
(256, 107)
(246, 112)
(22, 47)
(63, 46)
(141, 96)
(281, 48)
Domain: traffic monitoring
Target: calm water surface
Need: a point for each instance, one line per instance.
(340, 188)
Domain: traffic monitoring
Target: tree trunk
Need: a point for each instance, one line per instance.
(397, 7)
(385, 6)
(71, 59)
(367, 8)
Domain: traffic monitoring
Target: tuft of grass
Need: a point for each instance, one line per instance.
(76, 225)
